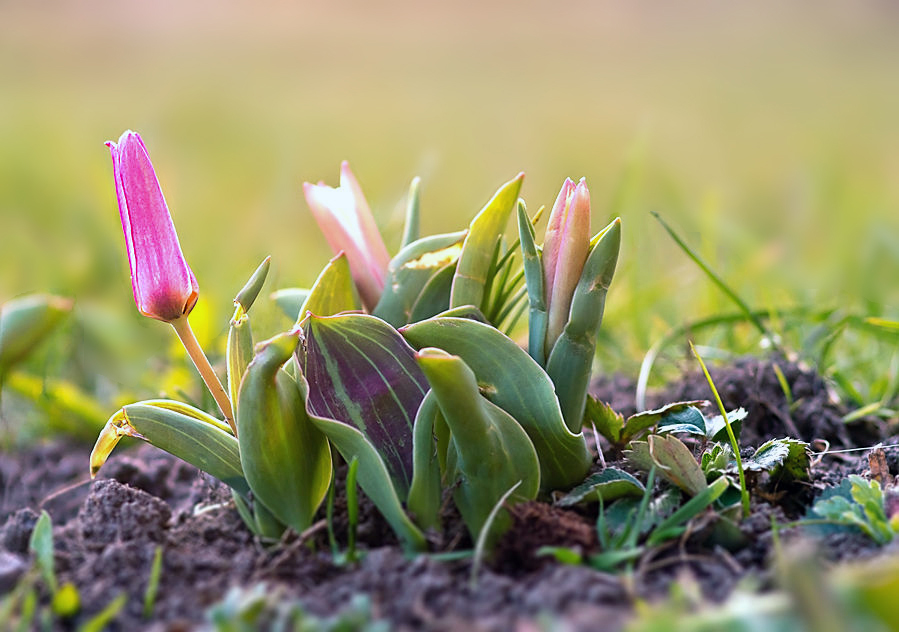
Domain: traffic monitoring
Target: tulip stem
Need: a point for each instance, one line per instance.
(195, 351)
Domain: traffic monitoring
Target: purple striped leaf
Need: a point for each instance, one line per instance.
(362, 373)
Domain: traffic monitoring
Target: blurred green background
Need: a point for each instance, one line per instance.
(767, 133)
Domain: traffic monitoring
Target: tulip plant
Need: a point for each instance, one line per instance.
(403, 365)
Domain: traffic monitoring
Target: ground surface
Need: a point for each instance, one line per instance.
(107, 532)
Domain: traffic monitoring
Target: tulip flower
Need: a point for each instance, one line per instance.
(565, 250)
(344, 217)
(163, 284)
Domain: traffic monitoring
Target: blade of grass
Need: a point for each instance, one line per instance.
(735, 446)
(716, 279)
(481, 544)
(153, 583)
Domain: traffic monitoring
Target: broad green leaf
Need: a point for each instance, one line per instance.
(489, 451)
(607, 421)
(362, 373)
(333, 291)
(25, 322)
(412, 270)
(202, 444)
(533, 277)
(285, 459)
(374, 477)
(290, 300)
(571, 359)
(509, 377)
(425, 491)
(609, 484)
(485, 230)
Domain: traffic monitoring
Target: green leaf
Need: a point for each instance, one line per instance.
(290, 300)
(489, 451)
(374, 477)
(434, 296)
(485, 230)
(425, 491)
(672, 526)
(533, 278)
(609, 484)
(786, 459)
(411, 225)
(687, 420)
(239, 352)
(717, 429)
(605, 419)
(285, 459)
(41, 544)
(190, 438)
(636, 424)
(68, 409)
(333, 291)
(674, 460)
(509, 377)
(102, 619)
(247, 296)
(411, 272)
(571, 359)
(362, 373)
(25, 322)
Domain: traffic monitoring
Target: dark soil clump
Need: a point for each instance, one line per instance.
(108, 531)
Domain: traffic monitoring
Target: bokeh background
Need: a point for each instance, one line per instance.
(767, 133)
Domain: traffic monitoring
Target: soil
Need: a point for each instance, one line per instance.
(106, 532)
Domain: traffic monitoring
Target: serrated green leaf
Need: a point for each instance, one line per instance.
(605, 419)
(285, 459)
(609, 484)
(571, 359)
(410, 272)
(361, 372)
(509, 377)
(784, 458)
(489, 451)
(636, 424)
(485, 230)
(333, 291)
(717, 429)
(202, 444)
(687, 420)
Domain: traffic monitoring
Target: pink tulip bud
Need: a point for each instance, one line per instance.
(345, 219)
(565, 250)
(163, 284)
